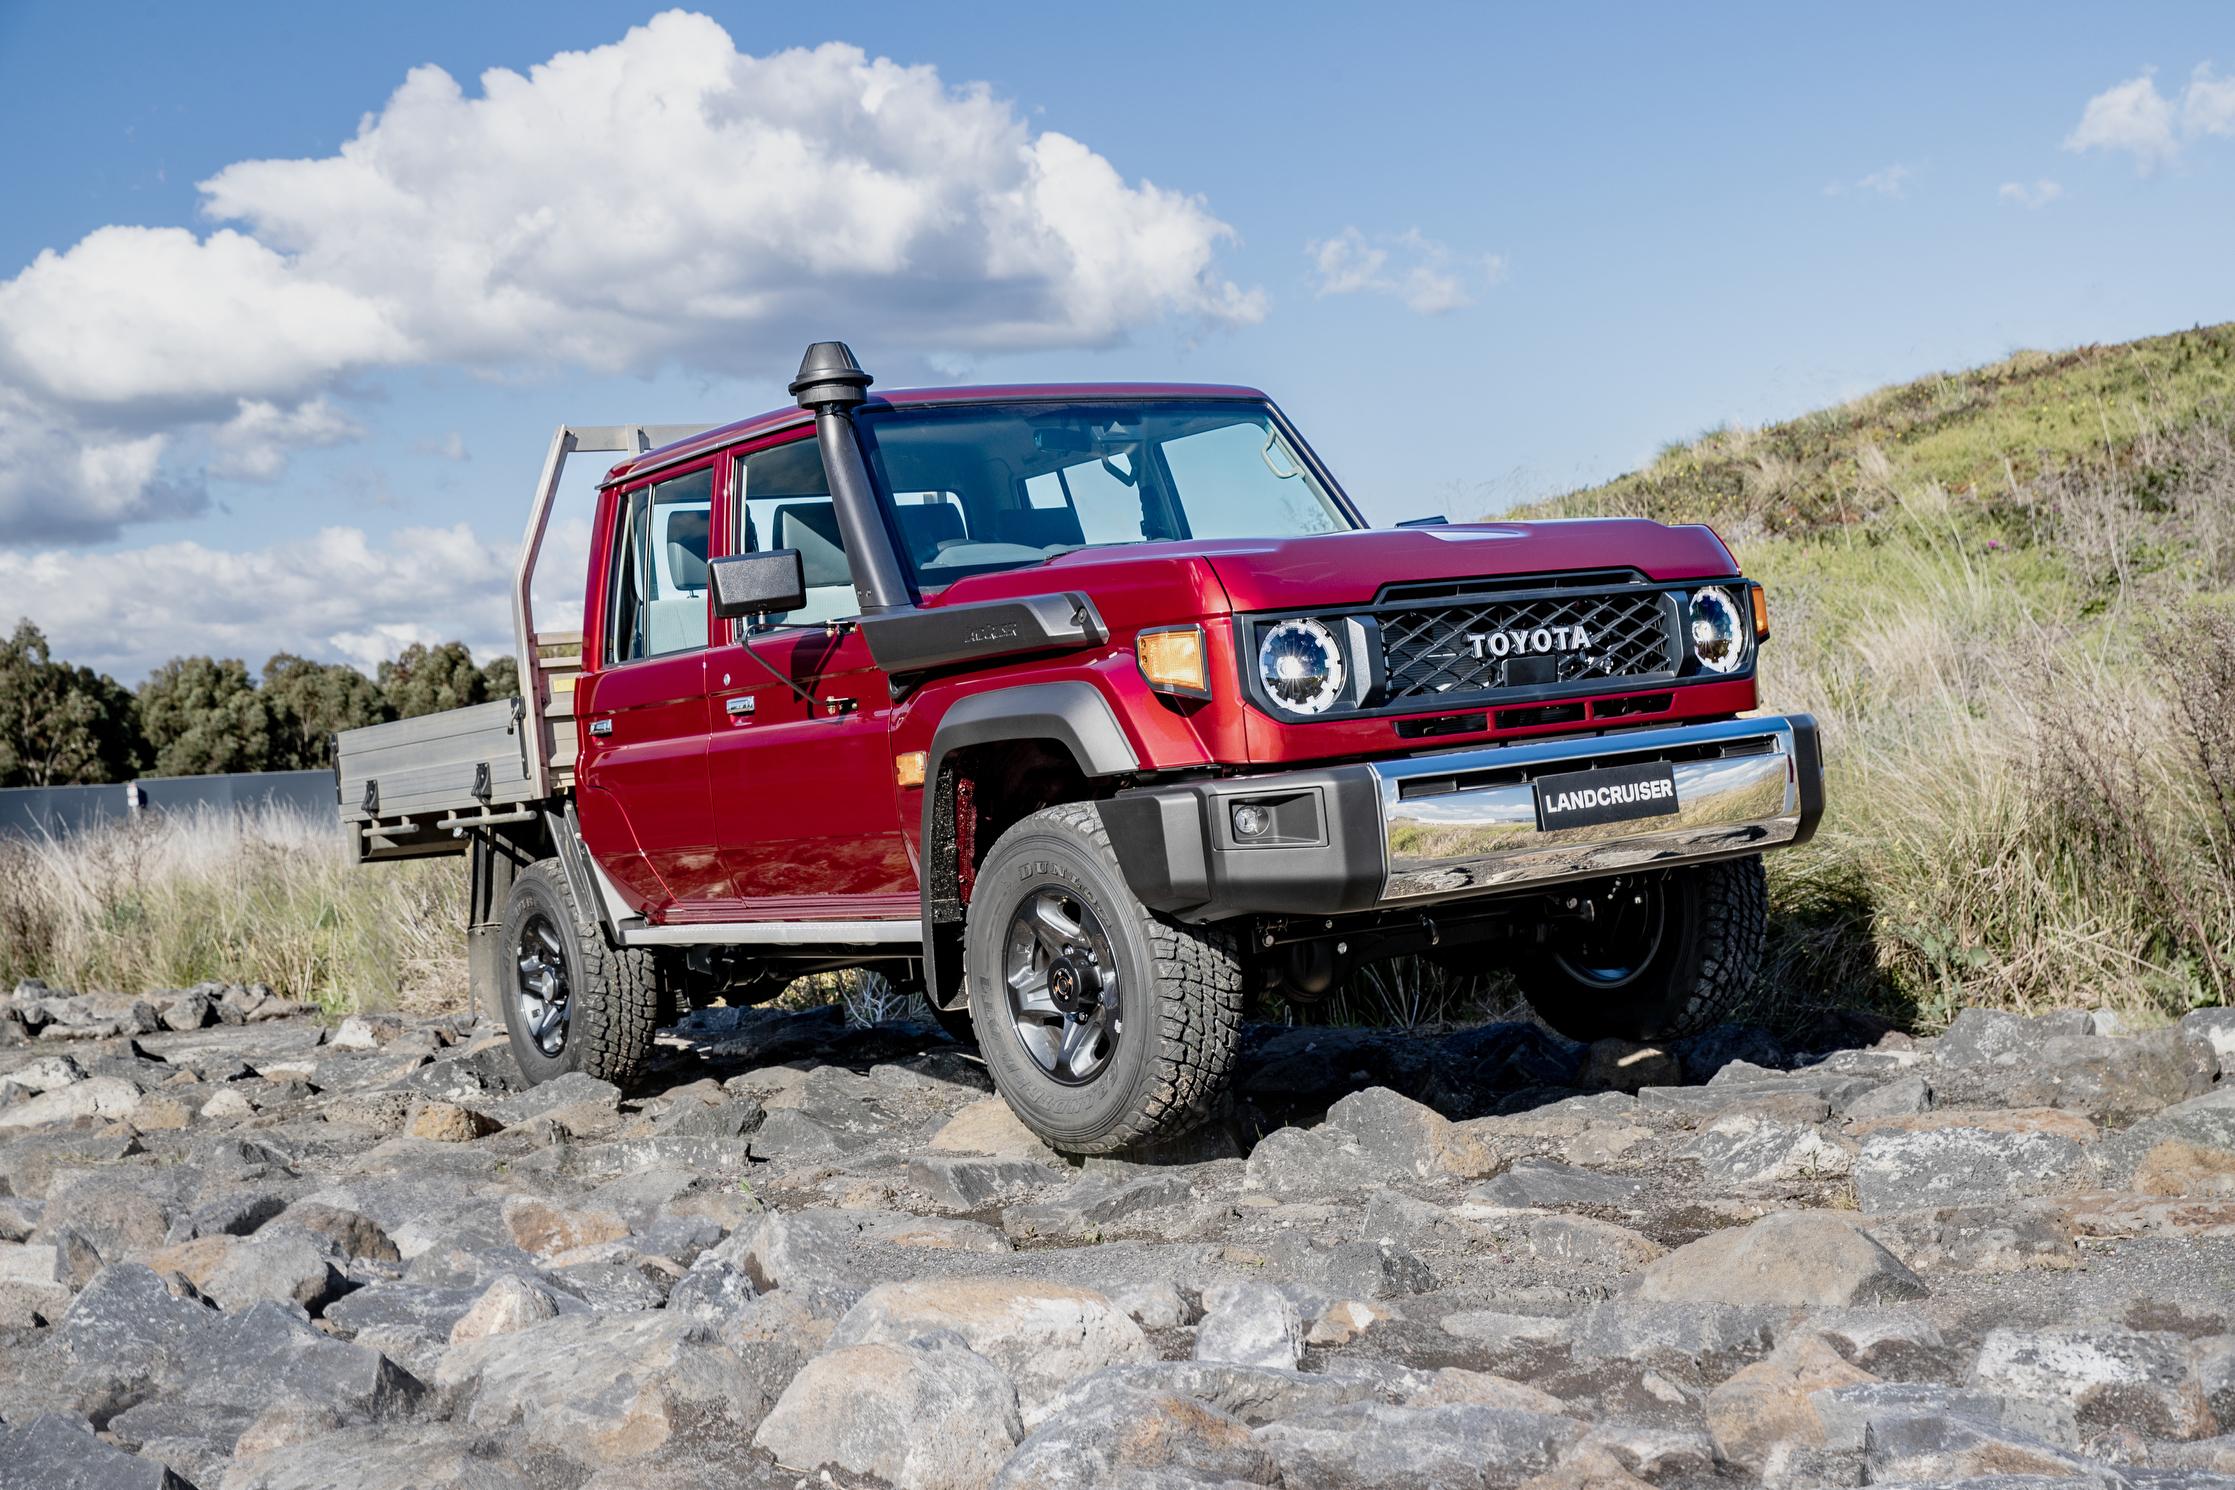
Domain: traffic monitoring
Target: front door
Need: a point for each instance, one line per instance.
(642, 783)
(804, 802)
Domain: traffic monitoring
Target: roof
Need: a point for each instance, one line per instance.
(900, 398)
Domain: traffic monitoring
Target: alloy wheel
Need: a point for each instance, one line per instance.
(1062, 980)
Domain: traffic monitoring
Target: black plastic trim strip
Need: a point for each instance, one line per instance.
(919, 639)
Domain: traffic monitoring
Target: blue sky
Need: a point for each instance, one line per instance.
(1479, 253)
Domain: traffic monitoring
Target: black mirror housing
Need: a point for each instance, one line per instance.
(748, 585)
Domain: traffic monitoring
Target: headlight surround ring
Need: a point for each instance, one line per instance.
(1301, 666)
(1720, 632)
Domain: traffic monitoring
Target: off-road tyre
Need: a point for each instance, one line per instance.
(614, 993)
(1180, 990)
(1703, 972)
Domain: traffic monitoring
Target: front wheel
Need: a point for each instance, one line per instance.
(1103, 1024)
(1655, 956)
(573, 1003)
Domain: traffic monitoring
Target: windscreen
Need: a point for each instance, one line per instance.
(982, 487)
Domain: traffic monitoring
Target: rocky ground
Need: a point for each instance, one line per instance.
(241, 1249)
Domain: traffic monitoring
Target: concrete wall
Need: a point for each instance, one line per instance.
(58, 811)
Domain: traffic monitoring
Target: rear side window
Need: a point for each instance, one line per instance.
(659, 569)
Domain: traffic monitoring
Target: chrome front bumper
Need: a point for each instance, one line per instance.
(1466, 823)
(1462, 823)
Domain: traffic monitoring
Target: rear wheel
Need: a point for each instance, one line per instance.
(1658, 956)
(1103, 1024)
(573, 1003)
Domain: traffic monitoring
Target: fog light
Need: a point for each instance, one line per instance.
(1251, 820)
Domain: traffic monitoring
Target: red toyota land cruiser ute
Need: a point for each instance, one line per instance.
(1092, 712)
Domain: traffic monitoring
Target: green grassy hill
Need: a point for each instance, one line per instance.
(2009, 594)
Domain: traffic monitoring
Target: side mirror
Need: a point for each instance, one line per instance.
(754, 584)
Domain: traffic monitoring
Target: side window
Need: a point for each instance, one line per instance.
(786, 504)
(659, 568)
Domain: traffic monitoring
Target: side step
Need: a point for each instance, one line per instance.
(636, 933)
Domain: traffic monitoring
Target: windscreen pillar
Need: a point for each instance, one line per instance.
(833, 384)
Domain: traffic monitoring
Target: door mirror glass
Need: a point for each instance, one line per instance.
(747, 585)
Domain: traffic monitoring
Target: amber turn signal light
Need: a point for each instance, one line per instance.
(908, 767)
(1172, 660)
(1761, 614)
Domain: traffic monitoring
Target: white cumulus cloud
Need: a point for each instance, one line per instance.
(253, 444)
(664, 200)
(2040, 194)
(1428, 276)
(2154, 129)
(333, 594)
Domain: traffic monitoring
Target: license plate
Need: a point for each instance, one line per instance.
(1611, 794)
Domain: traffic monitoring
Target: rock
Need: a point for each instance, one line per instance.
(390, 1457)
(2116, 1080)
(53, 1453)
(1557, 1238)
(1425, 1448)
(1401, 1136)
(1905, 1096)
(542, 1228)
(1739, 1150)
(509, 1305)
(1929, 1448)
(125, 1320)
(1844, 1413)
(1653, 1449)
(1546, 1184)
(365, 1032)
(2176, 1167)
(1291, 1162)
(1153, 1306)
(1044, 1335)
(1093, 1206)
(1638, 1330)
(2214, 1030)
(1923, 1168)
(568, 1090)
(925, 1415)
(1344, 1321)
(45, 1074)
(1987, 1036)
(99, 1096)
(447, 1122)
(1250, 1324)
(1110, 1440)
(352, 1234)
(2109, 1376)
(1255, 1395)
(280, 1264)
(990, 1128)
(1768, 1408)
(969, 1183)
(1809, 1258)
(602, 1389)
(227, 1103)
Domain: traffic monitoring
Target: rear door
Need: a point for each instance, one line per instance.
(641, 782)
(803, 793)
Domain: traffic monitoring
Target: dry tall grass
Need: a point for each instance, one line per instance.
(168, 900)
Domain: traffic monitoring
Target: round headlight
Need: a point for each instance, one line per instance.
(1718, 631)
(1302, 666)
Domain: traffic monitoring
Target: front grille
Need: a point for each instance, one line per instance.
(1429, 655)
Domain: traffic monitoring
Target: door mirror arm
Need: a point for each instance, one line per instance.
(750, 585)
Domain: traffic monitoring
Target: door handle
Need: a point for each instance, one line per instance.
(740, 707)
(601, 726)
